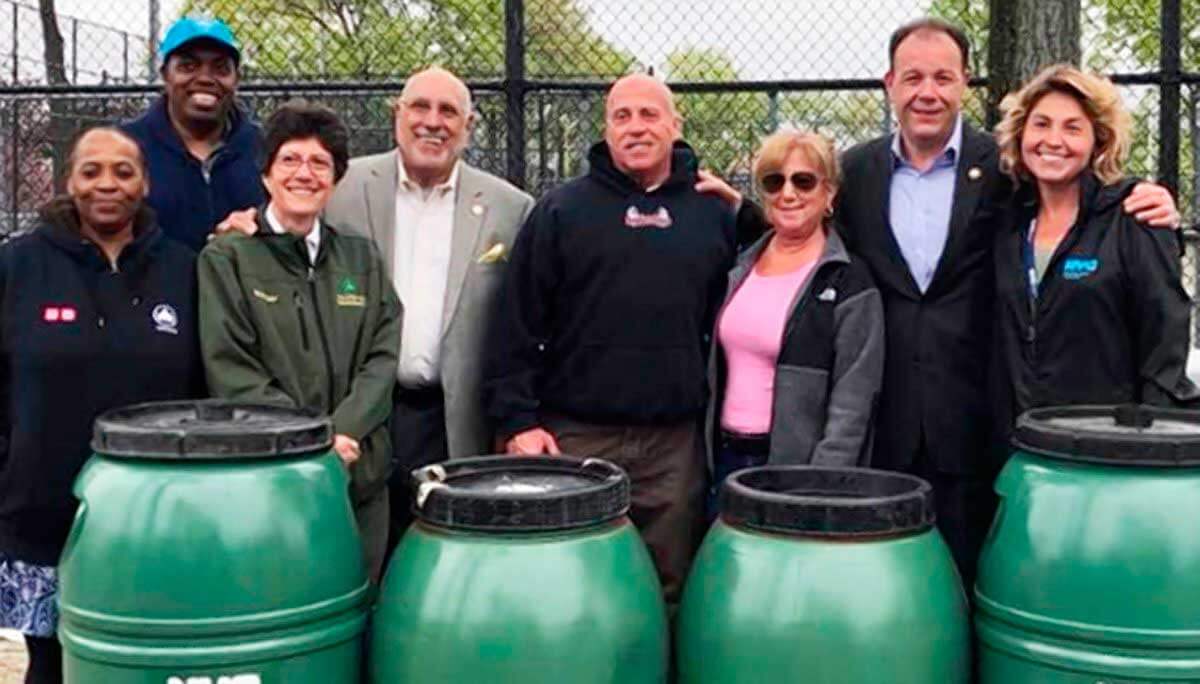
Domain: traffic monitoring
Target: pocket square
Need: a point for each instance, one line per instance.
(496, 254)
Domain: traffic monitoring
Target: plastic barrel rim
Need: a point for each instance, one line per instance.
(520, 493)
(827, 502)
(1126, 435)
(211, 429)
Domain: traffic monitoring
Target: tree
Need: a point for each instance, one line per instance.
(723, 128)
(1025, 36)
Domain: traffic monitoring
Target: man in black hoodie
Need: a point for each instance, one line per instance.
(599, 346)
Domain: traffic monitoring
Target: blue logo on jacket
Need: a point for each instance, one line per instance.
(1075, 268)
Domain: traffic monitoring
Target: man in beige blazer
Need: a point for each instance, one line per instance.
(444, 230)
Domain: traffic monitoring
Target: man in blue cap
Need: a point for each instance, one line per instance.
(201, 149)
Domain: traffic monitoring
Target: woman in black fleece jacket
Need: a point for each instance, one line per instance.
(97, 310)
(1091, 308)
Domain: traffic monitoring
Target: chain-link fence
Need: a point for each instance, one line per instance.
(538, 69)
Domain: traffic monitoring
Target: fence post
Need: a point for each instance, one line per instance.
(16, 38)
(14, 205)
(514, 90)
(74, 51)
(1170, 65)
(152, 39)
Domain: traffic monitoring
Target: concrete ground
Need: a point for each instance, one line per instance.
(12, 658)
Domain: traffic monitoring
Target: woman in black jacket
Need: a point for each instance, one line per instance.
(97, 310)
(1091, 305)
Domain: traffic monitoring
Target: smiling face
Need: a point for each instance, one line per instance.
(1058, 140)
(200, 79)
(794, 212)
(640, 128)
(433, 122)
(300, 179)
(107, 181)
(926, 86)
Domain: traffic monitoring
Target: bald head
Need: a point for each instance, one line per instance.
(438, 80)
(433, 123)
(644, 85)
(641, 126)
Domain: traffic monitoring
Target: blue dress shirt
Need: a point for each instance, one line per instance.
(919, 206)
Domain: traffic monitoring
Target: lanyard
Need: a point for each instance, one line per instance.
(1029, 261)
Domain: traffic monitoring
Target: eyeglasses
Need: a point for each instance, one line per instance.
(291, 163)
(802, 181)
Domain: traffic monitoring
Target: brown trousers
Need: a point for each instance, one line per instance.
(666, 472)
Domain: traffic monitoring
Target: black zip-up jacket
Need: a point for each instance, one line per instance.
(1110, 321)
(609, 299)
(78, 339)
(190, 197)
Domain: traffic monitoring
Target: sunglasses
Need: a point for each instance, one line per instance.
(803, 181)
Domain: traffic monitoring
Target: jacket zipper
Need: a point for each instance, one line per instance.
(300, 317)
(312, 288)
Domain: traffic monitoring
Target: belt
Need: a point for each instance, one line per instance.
(426, 397)
(744, 443)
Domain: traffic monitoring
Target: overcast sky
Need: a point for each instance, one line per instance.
(767, 39)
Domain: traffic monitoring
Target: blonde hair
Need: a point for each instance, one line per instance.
(1100, 101)
(776, 147)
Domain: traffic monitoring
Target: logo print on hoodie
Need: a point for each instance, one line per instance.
(661, 218)
(166, 320)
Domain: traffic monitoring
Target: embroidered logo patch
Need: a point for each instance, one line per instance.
(347, 286)
(59, 314)
(660, 218)
(166, 320)
(1075, 268)
(266, 297)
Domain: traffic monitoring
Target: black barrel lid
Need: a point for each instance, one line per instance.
(1130, 434)
(520, 493)
(209, 429)
(827, 502)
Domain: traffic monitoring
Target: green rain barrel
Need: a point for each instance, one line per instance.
(823, 575)
(523, 570)
(1091, 571)
(214, 544)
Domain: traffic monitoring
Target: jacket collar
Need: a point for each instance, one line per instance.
(1094, 196)
(241, 133)
(601, 167)
(835, 252)
(292, 249)
(60, 227)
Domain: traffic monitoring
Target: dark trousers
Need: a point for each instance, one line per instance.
(666, 473)
(965, 504)
(45, 661)
(418, 439)
(733, 453)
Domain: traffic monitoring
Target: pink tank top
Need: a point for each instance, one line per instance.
(750, 332)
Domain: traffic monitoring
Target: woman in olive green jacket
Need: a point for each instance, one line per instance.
(304, 315)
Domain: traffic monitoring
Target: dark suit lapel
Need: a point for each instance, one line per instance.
(969, 180)
(898, 276)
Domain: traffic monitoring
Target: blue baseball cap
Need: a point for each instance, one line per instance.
(189, 29)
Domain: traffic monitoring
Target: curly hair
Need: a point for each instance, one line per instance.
(1100, 101)
(298, 119)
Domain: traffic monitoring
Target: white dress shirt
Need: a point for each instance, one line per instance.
(312, 241)
(424, 228)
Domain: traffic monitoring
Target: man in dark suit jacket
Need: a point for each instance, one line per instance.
(921, 207)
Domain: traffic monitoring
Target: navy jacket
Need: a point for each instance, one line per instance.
(76, 339)
(609, 299)
(190, 197)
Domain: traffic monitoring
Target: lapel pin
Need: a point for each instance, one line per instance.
(974, 173)
(477, 209)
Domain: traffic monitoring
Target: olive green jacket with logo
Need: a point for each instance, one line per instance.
(323, 337)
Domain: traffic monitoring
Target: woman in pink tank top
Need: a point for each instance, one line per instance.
(798, 354)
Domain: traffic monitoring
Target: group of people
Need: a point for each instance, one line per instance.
(896, 307)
